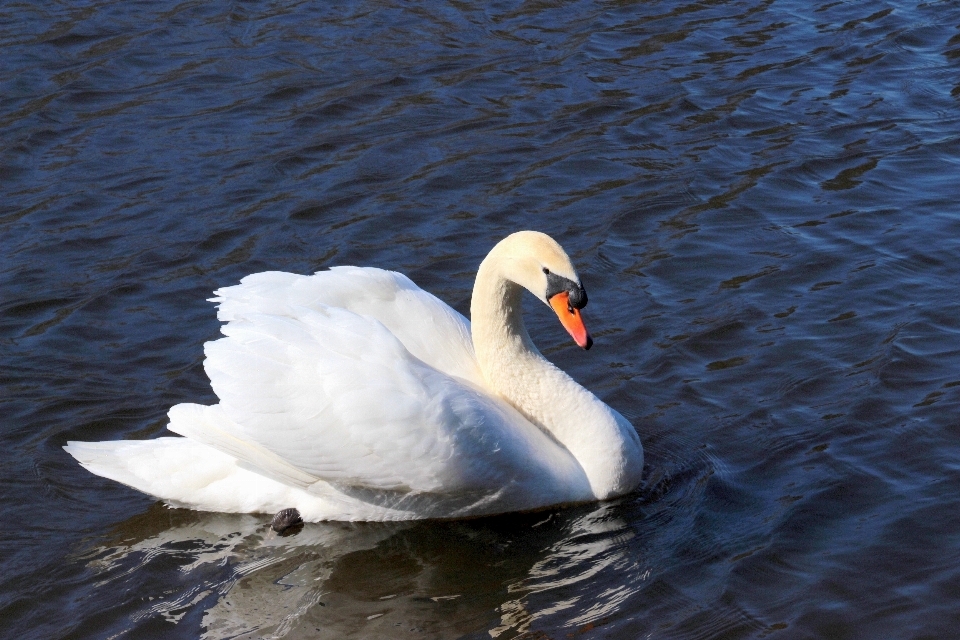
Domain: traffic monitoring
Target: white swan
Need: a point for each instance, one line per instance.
(352, 394)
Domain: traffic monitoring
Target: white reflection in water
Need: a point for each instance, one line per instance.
(271, 593)
(595, 542)
(335, 580)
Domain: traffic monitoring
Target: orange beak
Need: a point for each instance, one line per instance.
(571, 320)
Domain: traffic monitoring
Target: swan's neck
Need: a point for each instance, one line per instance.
(603, 442)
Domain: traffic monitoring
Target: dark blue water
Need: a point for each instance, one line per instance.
(763, 201)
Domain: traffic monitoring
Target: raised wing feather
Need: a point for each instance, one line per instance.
(340, 397)
(425, 325)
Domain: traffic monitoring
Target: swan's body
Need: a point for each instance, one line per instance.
(352, 394)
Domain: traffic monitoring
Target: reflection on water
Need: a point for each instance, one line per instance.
(395, 580)
(761, 198)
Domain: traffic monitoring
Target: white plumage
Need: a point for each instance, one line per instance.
(352, 394)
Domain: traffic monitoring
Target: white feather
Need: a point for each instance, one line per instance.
(353, 394)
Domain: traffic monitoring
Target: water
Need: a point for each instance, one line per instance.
(761, 198)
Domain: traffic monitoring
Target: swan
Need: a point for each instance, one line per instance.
(352, 394)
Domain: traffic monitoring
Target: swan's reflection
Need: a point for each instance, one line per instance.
(493, 576)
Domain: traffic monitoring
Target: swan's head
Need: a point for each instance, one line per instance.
(536, 262)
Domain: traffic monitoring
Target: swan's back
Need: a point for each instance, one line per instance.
(349, 394)
(429, 329)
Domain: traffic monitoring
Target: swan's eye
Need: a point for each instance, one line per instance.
(570, 308)
(546, 271)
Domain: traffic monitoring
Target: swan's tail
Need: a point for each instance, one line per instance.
(113, 460)
(185, 473)
(176, 470)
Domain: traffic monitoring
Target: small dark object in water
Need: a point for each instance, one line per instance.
(286, 519)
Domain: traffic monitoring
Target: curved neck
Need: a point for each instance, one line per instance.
(603, 442)
(496, 321)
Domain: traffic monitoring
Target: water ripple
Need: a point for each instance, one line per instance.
(760, 196)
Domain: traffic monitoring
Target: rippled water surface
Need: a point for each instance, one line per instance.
(763, 201)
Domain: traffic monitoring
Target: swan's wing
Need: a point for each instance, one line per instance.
(429, 328)
(338, 397)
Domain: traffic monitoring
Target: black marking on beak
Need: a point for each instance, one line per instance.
(558, 284)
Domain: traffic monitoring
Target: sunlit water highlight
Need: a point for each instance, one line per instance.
(761, 198)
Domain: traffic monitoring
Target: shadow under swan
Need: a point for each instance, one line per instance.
(496, 577)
